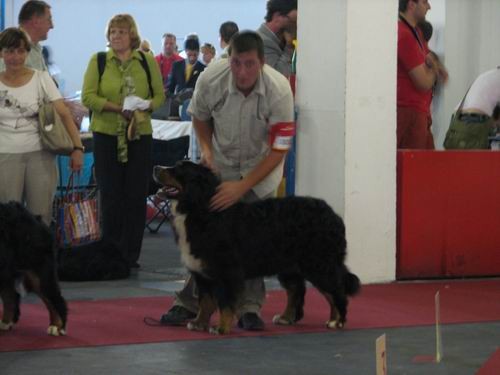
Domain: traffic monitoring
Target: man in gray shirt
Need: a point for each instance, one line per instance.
(35, 19)
(276, 32)
(242, 113)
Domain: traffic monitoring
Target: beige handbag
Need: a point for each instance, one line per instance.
(53, 133)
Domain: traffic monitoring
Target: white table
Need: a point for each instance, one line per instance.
(164, 130)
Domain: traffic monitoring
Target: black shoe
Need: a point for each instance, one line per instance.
(177, 316)
(135, 265)
(251, 322)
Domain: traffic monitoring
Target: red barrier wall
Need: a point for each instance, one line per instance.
(448, 214)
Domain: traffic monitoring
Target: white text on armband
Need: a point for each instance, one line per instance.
(281, 135)
(282, 143)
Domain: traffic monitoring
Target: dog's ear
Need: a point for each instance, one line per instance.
(198, 190)
(195, 199)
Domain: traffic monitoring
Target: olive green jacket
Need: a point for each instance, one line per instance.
(117, 81)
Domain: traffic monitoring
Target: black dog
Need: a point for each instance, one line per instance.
(27, 253)
(96, 261)
(295, 238)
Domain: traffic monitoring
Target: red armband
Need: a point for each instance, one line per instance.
(281, 135)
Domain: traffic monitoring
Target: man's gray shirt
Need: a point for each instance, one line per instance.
(279, 59)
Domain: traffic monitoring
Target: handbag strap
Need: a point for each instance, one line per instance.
(72, 194)
(69, 188)
(42, 91)
(459, 109)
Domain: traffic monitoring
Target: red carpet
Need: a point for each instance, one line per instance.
(120, 321)
(492, 365)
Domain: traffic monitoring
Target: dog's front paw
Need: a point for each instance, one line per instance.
(217, 330)
(281, 320)
(6, 326)
(196, 326)
(333, 324)
(56, 331)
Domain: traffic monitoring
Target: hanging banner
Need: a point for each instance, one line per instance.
(2, 14)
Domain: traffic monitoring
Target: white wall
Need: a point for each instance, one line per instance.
(80, 25)
(347, 123)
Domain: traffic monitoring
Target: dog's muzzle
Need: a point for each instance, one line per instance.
(170, 186)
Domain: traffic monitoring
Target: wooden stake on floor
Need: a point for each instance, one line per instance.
(381, 355)
(439, 342)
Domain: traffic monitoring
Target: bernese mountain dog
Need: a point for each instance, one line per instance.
(295, 238)
(27, 256)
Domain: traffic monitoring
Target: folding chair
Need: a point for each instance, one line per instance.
(167, 153)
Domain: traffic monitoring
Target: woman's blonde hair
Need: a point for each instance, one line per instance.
(208, 47)
(125, 21)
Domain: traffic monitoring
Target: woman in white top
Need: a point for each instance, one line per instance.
(27, 172)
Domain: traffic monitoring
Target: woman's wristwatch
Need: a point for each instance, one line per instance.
(81, 148)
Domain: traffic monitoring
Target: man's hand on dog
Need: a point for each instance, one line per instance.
(207, 160)
(228, 193)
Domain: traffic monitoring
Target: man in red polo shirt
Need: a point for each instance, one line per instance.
(169, 55)
(418, 71)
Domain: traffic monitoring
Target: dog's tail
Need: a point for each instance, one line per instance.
(351, 283)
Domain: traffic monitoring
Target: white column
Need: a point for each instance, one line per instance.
(321, 100)
(346, 99)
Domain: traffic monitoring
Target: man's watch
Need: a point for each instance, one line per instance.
(81, 148)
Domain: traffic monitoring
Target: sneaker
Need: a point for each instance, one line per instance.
(177, 316)
(251, 322)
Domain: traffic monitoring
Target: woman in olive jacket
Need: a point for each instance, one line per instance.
(123, 161)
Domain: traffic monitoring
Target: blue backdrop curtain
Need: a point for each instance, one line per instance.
(2, 14)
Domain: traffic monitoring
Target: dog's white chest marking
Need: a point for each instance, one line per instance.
(190, 262)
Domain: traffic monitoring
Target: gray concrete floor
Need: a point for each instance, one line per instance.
(466, 346)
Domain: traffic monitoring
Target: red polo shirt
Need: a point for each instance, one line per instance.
(165, 63)
(410, 55)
